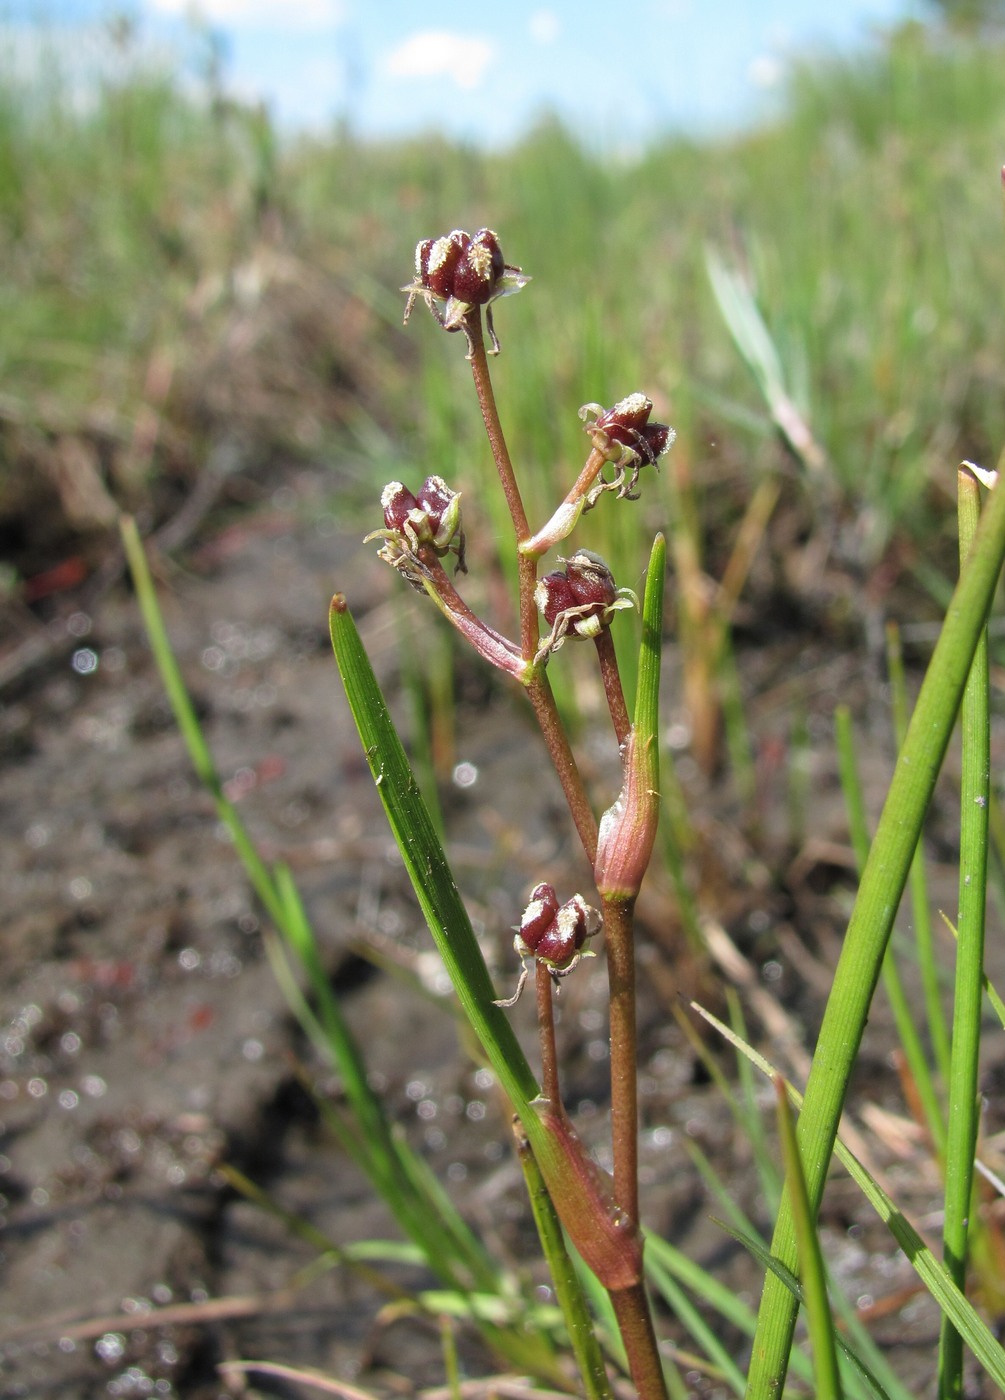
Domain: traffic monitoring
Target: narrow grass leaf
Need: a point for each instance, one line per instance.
(435, 888)
(872, 918)
(820, 1321)
(904, 1015)
(963, 1114)
(971, 1326)
(572, 1299)
(921, 918)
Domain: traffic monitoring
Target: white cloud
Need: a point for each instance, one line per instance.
(766, 70)
(437, 53)
(261, 14)
(544, 26)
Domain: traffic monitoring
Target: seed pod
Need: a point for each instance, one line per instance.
(579, 601)
(626, 428)
(555, 934)
(462, 272)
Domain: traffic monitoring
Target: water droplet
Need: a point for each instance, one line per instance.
(78, 624)
(80, 887)
(94, 1086)
(70, 1043)
(84, 661)
(427, 1109)
(678, 736)
(128, 1140)
(253, 1051)
(37, 1088)
(465, 775)
(39, 834)
(416, 1089)
(484, 1079)
(213, 658)
(475, 1110)
(68, 1099)
(457, 1171)
(189, 959)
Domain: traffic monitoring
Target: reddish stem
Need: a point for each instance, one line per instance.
(611, 677)
(539, 689)
(619, 938)
(546, 1032)
(527, 566)
(635, 1322)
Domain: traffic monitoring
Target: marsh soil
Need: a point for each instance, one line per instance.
(145, 1041)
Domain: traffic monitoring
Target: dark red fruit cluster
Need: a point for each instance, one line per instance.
(461, 266)
(627, 425)
(585, 584)
(554, 932)
(432, 517)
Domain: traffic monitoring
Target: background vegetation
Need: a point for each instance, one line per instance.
(163, 250)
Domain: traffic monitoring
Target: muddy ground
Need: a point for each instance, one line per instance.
(145, 1041)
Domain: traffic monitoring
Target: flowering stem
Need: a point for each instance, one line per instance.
(489, 643)
(546, 1033)
(563, 521)
(619, 937)
(635, 1322)
(611, 677)
(550, 723)
(539, 689)
(527, 565)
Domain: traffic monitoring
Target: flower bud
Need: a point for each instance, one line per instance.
(624, 435)
(625, 428)
(462, 272)
(553, 933)
(580, 600)
(433, 518)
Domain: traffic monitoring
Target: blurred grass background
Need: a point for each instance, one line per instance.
(178, 280)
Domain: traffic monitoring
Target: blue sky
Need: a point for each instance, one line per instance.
(618, 72)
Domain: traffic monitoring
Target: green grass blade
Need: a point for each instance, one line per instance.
(903, 1013)
(188, 721)
(879, 894)
(936, 1278)
(921, 917)
(571, 1297)
(436, 890)
(427, 865)
(963, 1115)
(819, 1318)
(451, 1249)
